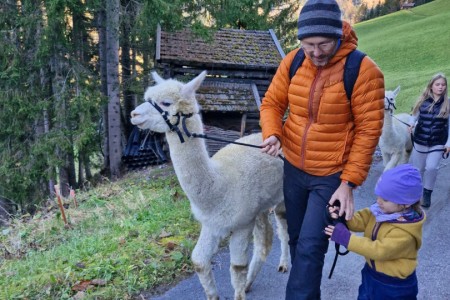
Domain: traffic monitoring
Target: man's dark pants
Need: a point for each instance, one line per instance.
(306, 197)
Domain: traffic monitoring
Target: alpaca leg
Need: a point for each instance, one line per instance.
(280, 217)
(404, 157)
(262, 244)
(239, 244)
(207, 245)
(386, 158)
(394, 161)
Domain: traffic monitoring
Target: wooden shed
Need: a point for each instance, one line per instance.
(240, 66)
(408, 5)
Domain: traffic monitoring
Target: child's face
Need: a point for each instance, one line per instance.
(389, 207)
(438, 87)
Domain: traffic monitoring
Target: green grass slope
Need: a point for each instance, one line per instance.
(410, 46)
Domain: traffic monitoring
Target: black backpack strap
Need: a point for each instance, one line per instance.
(351, 68)
(296, 63)
(351, 71)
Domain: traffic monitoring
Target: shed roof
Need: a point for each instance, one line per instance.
(226, 96)
(232, 48)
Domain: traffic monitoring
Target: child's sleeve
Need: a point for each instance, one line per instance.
(397, 244)
(359, 221)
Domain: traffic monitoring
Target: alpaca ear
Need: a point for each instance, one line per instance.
(158, 79)
(396, 91)
(190, 87)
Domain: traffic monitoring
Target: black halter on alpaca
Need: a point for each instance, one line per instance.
(390, 103)
(183, 117)
(165, 115)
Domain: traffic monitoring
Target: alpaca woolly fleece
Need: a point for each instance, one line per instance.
(228, 193)
(401, 185)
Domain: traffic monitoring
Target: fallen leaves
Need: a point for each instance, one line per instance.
(82, 286)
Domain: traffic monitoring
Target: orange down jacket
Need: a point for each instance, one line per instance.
(324, 132)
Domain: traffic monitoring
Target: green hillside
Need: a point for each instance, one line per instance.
(410, 46)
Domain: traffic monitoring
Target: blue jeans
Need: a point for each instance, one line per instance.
(379, 286)
(306, 197)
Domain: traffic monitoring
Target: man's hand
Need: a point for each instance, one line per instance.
(271, 146)
(344, 194)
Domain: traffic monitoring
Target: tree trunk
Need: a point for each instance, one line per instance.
(101, 27)
(114, 128)
(125, 42)
(47, 88)
(60, 107)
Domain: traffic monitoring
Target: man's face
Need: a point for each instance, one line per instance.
(319, 49)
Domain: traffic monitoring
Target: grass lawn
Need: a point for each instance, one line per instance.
(123, 238)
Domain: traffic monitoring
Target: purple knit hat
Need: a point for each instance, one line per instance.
(401, 185)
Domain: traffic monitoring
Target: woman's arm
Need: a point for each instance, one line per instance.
(412, 121)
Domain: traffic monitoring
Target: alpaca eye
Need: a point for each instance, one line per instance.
(166, 103)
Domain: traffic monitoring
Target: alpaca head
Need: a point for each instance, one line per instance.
(172, 97)
(389, 99)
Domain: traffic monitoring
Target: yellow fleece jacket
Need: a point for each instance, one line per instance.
(389, 247)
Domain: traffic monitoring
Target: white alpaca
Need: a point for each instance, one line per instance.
(230, 193)
(395, 141)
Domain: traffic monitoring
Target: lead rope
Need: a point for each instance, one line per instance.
(338, 252)
(444, 155)
(333, 221)
(174, 127)
(204, 136)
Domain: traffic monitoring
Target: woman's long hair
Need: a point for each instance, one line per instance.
(427, 93)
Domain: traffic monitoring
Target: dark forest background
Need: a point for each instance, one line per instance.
(71, 71)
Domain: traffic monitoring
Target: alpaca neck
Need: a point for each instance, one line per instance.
(388, 127)
(191, 162)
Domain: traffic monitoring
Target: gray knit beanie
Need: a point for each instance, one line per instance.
(320, 18)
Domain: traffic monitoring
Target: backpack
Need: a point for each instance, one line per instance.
(351, 68)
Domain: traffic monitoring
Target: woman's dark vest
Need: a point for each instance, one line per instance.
(431, 130)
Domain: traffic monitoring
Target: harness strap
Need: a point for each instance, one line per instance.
(165, 114)
(174, 127)
(351, 68)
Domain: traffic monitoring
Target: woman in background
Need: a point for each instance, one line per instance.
(430, 122)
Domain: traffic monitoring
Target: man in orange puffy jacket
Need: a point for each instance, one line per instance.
(327, 140)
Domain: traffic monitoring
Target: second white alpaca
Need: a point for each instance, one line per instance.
(395, 141)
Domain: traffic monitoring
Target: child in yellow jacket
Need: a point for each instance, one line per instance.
(392, 229)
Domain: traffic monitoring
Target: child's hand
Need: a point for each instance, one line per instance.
(329, 230)
(338, 234)
(333, 211)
